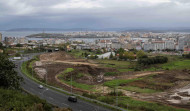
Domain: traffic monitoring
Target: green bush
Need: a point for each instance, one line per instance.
(93, 96)
(114, 93)
(106, 99)
(153, 60)
(110, 73)
(19, 101)
(186, 56)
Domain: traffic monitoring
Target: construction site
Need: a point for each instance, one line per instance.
(171, 87)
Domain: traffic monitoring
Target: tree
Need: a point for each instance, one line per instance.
(129, 55)
(17, 55)
(98, 51)
(141, 54)
(111, 56)
(8, 76)
(19, 45)
(121, 50)
(1, 46)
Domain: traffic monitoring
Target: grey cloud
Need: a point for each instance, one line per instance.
(112, 14)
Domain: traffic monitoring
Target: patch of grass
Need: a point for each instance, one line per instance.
(110, 73)
(136, 105)
(180, 64)
(118, 82)
(121, 66)
(68, 70)
(139, 90)
(171, 65)
(24, 69)
(79, 75)
(75, 84)
(125, 70)
(114, 63)
(78, 53)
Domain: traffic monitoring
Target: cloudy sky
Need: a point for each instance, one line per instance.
(94, 13)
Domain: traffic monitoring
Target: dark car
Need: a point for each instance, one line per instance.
(72, 99)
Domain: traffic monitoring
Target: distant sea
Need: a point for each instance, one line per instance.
(26, 33)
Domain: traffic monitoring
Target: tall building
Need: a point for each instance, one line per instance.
(184, 41)
(0, 37)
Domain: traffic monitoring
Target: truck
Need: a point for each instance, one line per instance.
(16, 58)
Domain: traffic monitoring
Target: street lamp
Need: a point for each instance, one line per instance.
(71, 83)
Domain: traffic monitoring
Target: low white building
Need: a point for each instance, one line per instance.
(106, 55)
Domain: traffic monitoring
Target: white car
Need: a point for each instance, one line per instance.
(40, 86)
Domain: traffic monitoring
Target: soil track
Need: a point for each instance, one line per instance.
(71, 62)
(139, 74)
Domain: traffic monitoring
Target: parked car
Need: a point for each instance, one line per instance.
(72, 98)
(40, 86)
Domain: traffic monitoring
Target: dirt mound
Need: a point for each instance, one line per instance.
(56, 56)
(89, 73)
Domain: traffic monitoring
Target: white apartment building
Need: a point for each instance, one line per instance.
(169, 45)
(156, 45)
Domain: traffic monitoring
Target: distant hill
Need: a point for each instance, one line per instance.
(127, 29)
(158, 30)
(49, 29)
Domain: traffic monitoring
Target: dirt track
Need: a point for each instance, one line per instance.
(134, 75)
(71, 62)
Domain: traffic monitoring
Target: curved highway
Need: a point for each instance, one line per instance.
(52, 96)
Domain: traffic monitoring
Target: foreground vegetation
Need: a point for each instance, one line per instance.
(19, 101)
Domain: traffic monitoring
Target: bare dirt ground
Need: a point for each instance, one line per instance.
(55, 63)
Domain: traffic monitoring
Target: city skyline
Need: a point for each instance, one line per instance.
(94, 13)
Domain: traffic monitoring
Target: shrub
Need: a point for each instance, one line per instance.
(93, 96)
(186, 56)
(153, 60)
(110, 73)
(114, 93)
(107, 99)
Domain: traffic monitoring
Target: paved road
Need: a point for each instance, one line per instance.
(55, 97)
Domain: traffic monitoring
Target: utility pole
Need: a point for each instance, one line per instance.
(71, 83)
(46, 74)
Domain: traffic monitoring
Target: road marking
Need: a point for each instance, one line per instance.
(65, 104)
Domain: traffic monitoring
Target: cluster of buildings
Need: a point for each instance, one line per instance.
(111, 41)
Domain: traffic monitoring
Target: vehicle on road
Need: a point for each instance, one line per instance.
(17, 58)
(40, 86)
(72, 98)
